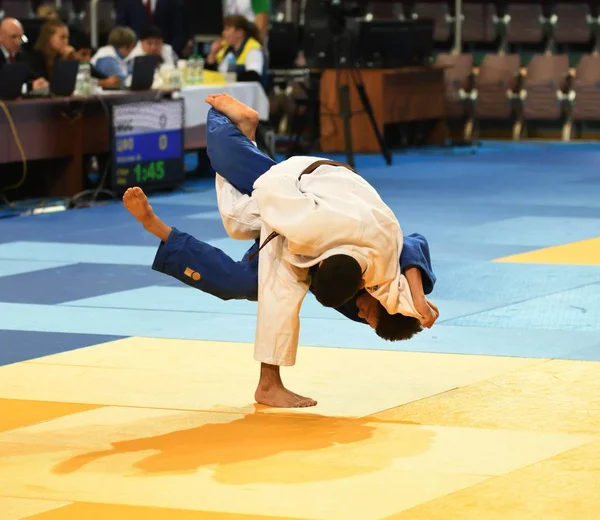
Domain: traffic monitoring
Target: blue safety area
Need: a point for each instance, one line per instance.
(78, 278)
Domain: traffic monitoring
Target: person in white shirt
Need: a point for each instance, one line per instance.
(110, 59)
(152, 43)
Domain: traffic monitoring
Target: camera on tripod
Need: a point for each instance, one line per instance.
(337, 34)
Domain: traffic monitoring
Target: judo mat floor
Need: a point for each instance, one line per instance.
(127, 395)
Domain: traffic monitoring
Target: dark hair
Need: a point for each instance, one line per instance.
(396, 327)
(79, 40)
(338, 279)
(152, 32)
(241, 23)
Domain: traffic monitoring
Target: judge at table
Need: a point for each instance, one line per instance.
(239, 51)
(11, 34)
(51, 46)
(152, 43)
(110, 59)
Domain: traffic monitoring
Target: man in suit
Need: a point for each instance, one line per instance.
(167, 15)
(11, 37)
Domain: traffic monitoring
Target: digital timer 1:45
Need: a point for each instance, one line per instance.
(152, 171)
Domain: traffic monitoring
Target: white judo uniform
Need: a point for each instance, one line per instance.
(327, 212)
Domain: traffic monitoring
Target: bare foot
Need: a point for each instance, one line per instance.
(281, 397)
(137, 204)
(271, 392)
(244, 117)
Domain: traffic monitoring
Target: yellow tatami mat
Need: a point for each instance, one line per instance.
(90, 511)
(18, 412)
(215, 376)
(586, 252)
(18, 508)
(165, 429)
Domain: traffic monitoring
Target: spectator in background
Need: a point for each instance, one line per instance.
(152, 43)
(110, 60)
(167, 15)
(239, 51)
(47, 11)
(83, 52)
(11, 38)
(52, 45)
(255, 11)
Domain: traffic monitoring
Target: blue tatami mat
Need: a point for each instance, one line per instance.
(577, 310)
(72, 279)
(20, 345)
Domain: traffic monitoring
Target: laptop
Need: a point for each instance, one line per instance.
(142, 75)
(64, 80)
(12, 78)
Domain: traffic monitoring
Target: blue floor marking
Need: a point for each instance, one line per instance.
(20, 345)
(76, 281)
(575, 309)
(474, 205)
(9, 267)
(536, 232)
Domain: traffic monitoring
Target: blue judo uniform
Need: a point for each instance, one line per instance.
(239, 161)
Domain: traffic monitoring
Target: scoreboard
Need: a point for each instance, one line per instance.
(147, 144)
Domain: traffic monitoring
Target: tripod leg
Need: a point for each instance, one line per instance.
(366, 103)
(345, 114)
(261, 141)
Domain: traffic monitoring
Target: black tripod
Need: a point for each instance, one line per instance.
(343, 76)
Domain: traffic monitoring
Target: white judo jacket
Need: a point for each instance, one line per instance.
(329, 211)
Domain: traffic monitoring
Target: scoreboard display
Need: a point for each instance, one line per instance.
(147, 144)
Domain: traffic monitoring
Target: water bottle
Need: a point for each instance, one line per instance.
(231, 63)
(93, 173)
(230, 75)
(191, 70)
(84, 79)
(200, 69)
(175, 80)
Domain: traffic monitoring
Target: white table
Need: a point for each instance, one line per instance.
(196, 109)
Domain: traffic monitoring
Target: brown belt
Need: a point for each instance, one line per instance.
(311, 168)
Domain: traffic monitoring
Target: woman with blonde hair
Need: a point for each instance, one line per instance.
(110, 59)
(52, 45)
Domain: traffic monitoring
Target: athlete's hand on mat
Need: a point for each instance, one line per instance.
(429, 311)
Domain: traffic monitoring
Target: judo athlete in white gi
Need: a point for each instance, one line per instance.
(209, 269)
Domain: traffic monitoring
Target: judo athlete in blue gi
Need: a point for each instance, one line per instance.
(210, 270)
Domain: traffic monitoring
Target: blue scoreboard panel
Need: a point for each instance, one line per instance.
(147, 144)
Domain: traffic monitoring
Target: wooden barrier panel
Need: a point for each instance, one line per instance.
(396, 96)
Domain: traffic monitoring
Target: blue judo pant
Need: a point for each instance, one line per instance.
(240, 162)
(209, 269)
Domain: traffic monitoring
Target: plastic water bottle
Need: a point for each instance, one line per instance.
(200, 69)
(93, 172)
(84, 79)
(175, 79)
(191, 70)
(231, 64)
